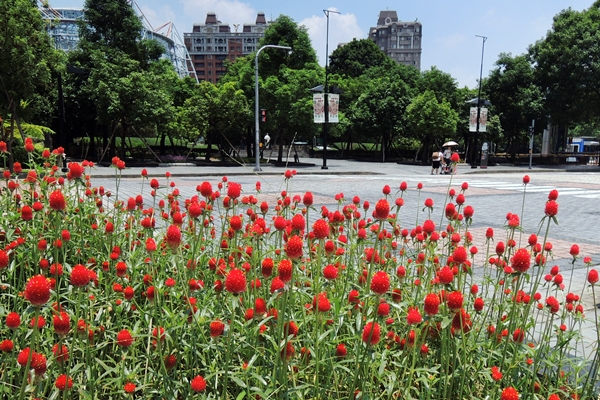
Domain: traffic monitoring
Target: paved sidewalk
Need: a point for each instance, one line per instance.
(313, 166)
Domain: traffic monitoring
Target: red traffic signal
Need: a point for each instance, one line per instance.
(263, 114)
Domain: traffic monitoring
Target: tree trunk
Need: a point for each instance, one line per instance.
(280, 143)
(209, 140)
(249, 143)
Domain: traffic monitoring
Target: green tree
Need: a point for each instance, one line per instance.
(515, 98)
(27, 59)
(567, 66)
(355, 58)
(442, 84)
(431, 121)
(379, 111)
(125, 88)
(218, 113)
(284, 81)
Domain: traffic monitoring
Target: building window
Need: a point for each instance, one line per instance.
(200, 57)
(208, 40)
(209, 72)
(209, 56)
(200, 73)
(199, 65)
(210, 65)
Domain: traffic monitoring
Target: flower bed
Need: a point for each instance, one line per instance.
(224, 296)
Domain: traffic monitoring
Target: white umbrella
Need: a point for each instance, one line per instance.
(450, 143)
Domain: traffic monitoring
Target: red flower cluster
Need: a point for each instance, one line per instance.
(37, 290)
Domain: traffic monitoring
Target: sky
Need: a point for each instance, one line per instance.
(450, 28)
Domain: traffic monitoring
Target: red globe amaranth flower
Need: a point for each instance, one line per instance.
(13, 320)
(80, 276)
(308, 199)
(38, 363)
(454, 300)
(553, 195)
(526, 179)
(574, 250)
(124, 338)
(553, 304)
(321, 302)
(61, 353)
(284, 270)
(382, 210)
(234, 190)
(235, 223)
(413, 316)
(293, 248)
(455, 157)
(198, 384)
(235, 282)
(478, 304)
(217, 328)
(341, 351)
(510, 393)
(205, 189)
(173, 236)
(4, 260)
(551, 208)
(468, 212)
(371, 333)
(62, 323)
(432, 304)
(76, 170)
(321, 229)
(459, 255)
(298, 223)
(380, 283)
(496, 374)
(37, 290)
(445, 275)
(330, 272)
(129, 387)
(63, 382)
(57, 201)
(6, 346)
(26, 213)
(521, 260)
(592, 278)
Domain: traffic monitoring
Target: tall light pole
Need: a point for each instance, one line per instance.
(256, 105)
(476, 141)
(326, 90)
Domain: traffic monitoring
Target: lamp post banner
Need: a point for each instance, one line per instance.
(334, 107)
(483, 113)
(319, 108)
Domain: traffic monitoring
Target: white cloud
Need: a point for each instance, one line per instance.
(342, 29)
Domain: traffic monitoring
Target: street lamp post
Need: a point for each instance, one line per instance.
(476, 141)
(256, 105)
(326, 90)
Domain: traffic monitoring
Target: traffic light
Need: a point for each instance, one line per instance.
(263, 114)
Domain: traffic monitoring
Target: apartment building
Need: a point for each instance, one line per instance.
(400, 40)
(211, 43)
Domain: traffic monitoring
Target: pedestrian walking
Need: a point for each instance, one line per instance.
(436, 159)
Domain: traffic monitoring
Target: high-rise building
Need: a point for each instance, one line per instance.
(213, 42)
(400, 40)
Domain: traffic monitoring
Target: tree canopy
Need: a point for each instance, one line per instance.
(567, 66)
(353, 59)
